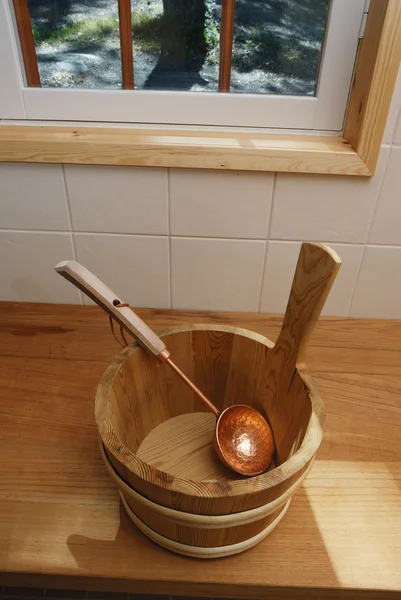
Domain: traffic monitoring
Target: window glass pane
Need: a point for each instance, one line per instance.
(176, 44)
(77, 43)
(277, 46)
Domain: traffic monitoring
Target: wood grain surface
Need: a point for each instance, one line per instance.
(212, 550)
(198, 531)
(127, 55)
(26, 41)
(61, 521)
(375, 77)
(181, 148)
(183, 447)
(226, 44)
(315, 273)
(230, 364)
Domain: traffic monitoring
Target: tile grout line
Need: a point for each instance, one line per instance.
(263, 275)
(366, 244)
(394, 138)
(170, 278)
(269, 225)
(356, 282)
(74, 250)
(377, 200)
(273, 193)
(75, 232)
(319, 241)
(195, 237)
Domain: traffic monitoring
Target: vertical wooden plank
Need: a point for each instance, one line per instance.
(127, 56)
(373, 86)
(23, 20)
(226, 44)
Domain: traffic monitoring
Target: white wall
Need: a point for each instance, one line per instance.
(203, 239)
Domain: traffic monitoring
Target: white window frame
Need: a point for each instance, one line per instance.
(323, 112)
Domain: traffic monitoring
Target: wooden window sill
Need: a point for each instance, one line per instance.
(181, 149)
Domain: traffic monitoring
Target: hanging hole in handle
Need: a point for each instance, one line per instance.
(120, 304)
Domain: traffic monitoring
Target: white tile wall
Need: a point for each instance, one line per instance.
(26, 267)
(386, 226)
(324, 208)
(397, 134)
(279, 271)
(216, 274)
(117, 199)
(203, 239)
(219, 204)
(33, 197)
(393, 116)
(378, 292)
(135, 267)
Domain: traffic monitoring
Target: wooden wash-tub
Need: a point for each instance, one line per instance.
(157, 439)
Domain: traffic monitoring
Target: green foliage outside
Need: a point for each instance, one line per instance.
(78, 32)
(147, 29)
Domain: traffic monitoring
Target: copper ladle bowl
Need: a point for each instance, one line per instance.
(243, 440)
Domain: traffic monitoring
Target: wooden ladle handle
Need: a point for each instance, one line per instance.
(315, 273)
(109, 301)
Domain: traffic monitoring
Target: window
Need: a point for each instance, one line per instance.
(283, 64)
(202, 128)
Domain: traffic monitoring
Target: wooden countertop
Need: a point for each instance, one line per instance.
(61, 522)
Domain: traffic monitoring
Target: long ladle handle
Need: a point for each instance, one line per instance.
(125, 316)
(315, 273)
(109, 301)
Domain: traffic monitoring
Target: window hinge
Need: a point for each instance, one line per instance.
(364, 19)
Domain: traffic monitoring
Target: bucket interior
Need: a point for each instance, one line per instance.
(229, 368)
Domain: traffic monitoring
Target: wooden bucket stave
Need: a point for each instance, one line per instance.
(197, 551)
(202, 530)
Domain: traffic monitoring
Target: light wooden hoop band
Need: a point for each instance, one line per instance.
(199, 552)
(205, 521)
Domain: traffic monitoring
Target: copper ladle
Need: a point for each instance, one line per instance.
(243, 438)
